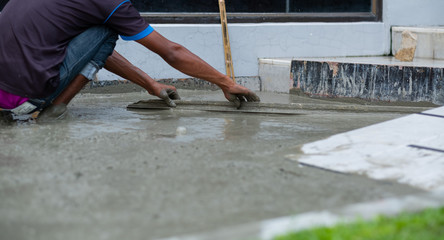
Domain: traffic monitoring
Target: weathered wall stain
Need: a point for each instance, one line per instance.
(369, 81)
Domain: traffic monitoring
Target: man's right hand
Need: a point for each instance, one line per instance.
(237, 94)
(185, 61)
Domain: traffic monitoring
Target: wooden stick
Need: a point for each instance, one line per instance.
(226, 40)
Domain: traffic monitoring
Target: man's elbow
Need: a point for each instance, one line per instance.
(175, 53)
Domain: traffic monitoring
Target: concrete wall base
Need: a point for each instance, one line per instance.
(380, 78)
(275, 75)
(122, 86)
(430, 41)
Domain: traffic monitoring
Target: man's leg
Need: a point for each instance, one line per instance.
(86, 55)
(57, 110)
(5, 117)
(71, 91)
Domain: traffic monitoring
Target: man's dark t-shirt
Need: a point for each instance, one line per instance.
(35, 34)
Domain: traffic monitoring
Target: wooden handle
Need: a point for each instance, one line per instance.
(226, 40)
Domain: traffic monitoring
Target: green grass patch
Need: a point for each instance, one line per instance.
(426, 225)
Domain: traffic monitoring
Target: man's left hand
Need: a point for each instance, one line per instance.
(165, 92)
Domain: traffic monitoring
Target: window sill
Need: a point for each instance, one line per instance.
(211, 18)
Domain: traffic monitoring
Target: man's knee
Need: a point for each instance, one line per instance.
(104, 32)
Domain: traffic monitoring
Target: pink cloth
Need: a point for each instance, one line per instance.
(10, 101)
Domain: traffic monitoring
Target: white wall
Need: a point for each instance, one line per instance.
(252, 41)
(412, 13)
(272, 40)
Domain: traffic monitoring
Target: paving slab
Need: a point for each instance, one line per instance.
(409, 150)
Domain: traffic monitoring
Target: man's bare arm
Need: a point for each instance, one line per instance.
(119, 65)
(185, 61)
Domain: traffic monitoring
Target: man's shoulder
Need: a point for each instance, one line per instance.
(104, 6)
(106, 2)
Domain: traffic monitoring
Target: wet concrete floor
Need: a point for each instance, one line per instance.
(109, 173)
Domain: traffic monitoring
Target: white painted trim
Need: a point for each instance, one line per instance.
(420, 29)
(274, 61)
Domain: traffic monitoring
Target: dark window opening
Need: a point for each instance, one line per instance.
(209, 6)
(331, 6)
(254, 6)
(256, 11)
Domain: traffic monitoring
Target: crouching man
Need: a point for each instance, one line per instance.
(50, 49)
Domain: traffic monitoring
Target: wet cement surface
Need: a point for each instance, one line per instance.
(110, 173)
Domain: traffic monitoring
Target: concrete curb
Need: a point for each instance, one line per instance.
(268, 229)
(378, 78)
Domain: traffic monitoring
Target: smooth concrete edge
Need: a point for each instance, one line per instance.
(276, 61)
(425, 29)
(268, 229)
(377, 60)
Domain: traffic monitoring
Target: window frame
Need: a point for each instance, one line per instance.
(210, 18)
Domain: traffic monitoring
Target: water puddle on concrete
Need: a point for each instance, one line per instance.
(195, 125)
(96, 115)
(105, 121)
(90, 122)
